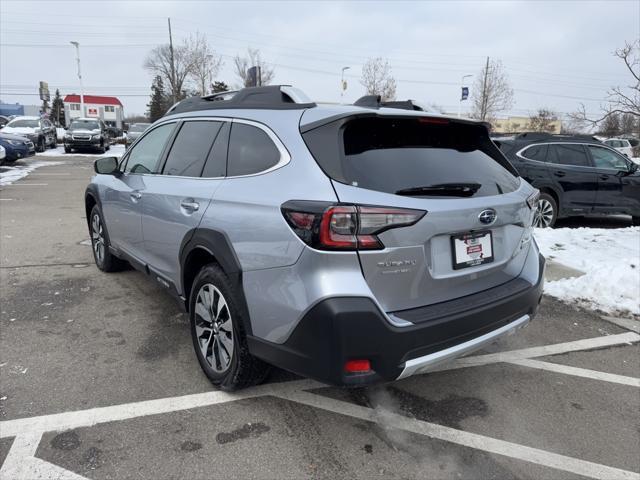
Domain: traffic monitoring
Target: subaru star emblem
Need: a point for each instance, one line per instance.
(487, 216)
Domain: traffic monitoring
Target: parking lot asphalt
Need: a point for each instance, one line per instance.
(98, 380)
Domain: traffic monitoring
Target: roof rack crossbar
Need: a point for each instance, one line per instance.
(375, 101)
(277, 97)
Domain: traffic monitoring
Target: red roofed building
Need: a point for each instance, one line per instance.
(108, 109)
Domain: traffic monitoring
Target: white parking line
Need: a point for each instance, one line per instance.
(21, 462)
(459, 437)
(543, 351)
(627, 323)
(578, 372)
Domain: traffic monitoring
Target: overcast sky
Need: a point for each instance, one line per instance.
(557, 53)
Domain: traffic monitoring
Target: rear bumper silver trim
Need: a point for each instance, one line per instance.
(427, 362)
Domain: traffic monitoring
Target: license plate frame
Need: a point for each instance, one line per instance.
(474, 260)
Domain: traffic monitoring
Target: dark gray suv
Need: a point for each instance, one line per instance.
(351, 244)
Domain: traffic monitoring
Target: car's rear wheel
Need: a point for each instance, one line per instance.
(105, 260)
(546, 213)
(218, 335)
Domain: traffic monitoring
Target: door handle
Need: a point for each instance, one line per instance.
(190, 205)
(135, 196)
(559, 173)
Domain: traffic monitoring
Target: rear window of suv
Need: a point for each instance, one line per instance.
(395, 154)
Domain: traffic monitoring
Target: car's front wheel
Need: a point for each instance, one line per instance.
(42, 145)
(635, 221)
(546, 213)
(218, 335)
(105, 260)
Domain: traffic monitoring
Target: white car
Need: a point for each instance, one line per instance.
(39, 130)
(620, 144)
(3, 152)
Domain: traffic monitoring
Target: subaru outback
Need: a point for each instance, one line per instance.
(353, 244)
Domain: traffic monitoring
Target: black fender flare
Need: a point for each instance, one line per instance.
(218, 245)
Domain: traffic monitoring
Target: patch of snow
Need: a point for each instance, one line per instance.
(115, 151)
(8, 175)
(610, 259)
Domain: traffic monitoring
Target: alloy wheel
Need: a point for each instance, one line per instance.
(97, 238)
(214, 328)
(544, 214)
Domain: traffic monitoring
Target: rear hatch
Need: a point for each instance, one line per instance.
(477, 225)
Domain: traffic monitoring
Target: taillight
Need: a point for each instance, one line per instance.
(326, 226)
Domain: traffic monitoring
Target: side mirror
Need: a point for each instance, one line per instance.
(106, 166)
(633, 167)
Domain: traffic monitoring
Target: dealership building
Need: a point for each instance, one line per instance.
(107, 109)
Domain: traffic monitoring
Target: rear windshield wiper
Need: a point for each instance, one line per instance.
(442, 189)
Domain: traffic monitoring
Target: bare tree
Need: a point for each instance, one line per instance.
(492, 93)
(252, 59)
(620, 100)
(206, 62)
(158, 62)
(543, 121)
(377, 79)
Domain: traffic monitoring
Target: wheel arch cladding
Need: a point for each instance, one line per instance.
(202, 246)
(90, 200)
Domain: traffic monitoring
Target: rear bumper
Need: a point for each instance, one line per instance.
(339, 329)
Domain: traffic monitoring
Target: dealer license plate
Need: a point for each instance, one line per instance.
(472, 249)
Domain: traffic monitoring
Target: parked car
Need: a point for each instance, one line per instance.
(16, 146)
(576, 175)
(3, 120)
(620, 144)
(87, 134)
(39, 130)
(3, 153)
(135, 130)
(350, 244)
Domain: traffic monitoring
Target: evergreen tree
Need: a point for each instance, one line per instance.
(57, 110)
(218, 87)
(158, 104)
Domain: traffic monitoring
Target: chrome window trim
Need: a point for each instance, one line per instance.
(519, 152)
(285, 157)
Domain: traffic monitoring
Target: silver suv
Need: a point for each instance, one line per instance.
(351, 244)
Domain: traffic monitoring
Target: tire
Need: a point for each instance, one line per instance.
(102, 148)
(105, 260)
(67, 149)
(42, 145)
(547, 212)
(108, 147)
(635, 221)
(219, 340)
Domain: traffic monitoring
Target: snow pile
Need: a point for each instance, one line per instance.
(609, 257)
(114, 151)
(8, 175)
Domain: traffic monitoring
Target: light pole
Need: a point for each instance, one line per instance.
(343, 87)
(77, 45)
(461, 87)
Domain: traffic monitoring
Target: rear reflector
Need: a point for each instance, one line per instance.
(357, 366)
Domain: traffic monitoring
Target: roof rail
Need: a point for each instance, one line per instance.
(546, 135)
(375, 101)
(273, 97)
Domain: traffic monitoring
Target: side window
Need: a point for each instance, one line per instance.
(145, 155)
(216, 165)
(568, 154)
(190, 148)
(536, 152)
(250, 151)
(605, 158)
